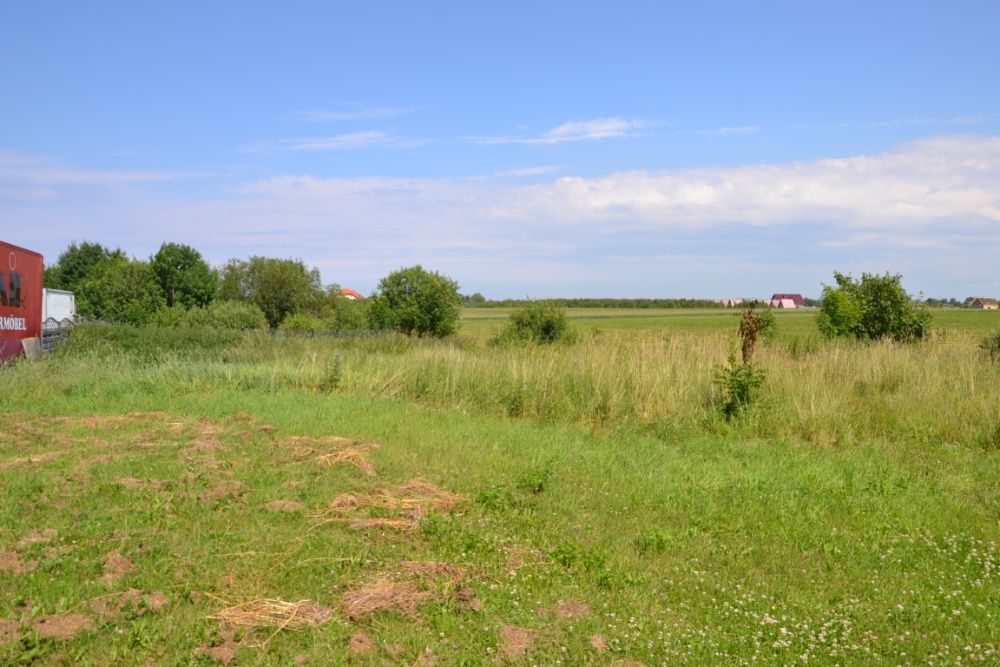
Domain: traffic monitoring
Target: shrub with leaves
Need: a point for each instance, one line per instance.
(739, 383)
(872, 308)
(538, 322)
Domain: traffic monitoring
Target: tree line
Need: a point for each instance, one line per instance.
(177, 287)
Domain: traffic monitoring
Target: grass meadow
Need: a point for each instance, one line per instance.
(199, 498)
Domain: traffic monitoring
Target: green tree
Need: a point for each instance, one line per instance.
(123, 291)
(872, 308)
(78, 263)
(279, 287)
(417, 301)
(184, 276)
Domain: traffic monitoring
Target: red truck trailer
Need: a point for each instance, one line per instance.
(20, 299)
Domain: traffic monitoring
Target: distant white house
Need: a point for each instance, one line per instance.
(985, 303)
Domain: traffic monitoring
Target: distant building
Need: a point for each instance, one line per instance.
(730, 303)
(797, 299)
(352, 295)
(782, 303)
(985, 303)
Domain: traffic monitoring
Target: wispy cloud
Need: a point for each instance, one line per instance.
(520, 172)
(968, 119)
(350, 112)
(45, 177)
(340, 142)
(737, 131)
(596, 129)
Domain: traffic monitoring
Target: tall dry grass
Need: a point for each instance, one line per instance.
(943, 391)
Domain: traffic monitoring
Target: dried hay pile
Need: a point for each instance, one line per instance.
(401, 508)
(274, 614)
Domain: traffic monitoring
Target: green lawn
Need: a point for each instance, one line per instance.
(567, 545)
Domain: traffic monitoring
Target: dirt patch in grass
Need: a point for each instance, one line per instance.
(599, 643)
(567, 610)
(116, 566)
(9, 631)
(287, 506)
(465, 600)
(223, 652)
(156, 600)
(202, 445)
(515, 641)
(114, 604)
(62, 627)
(44, 457)
(231, 489)
(10, 561)
(136, 484)
(360, 643)
(37, 537)
(433, 570)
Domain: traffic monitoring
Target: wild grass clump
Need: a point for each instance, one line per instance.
(990, 345)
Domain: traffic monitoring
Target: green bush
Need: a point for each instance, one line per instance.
(348, 315)
(538, 322)
(739, 382)
(235, 315)
(300, 323)
(873, 308)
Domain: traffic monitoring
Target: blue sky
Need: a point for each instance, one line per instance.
(525, 149)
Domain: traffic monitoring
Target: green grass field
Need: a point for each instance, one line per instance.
(455, 503)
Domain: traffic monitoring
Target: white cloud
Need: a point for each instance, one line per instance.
(596, 129)
(929, 208)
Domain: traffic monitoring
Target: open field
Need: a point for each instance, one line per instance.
(426, 502)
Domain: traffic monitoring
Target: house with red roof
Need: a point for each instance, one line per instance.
(797, 299)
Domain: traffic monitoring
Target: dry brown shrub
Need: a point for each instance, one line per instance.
(274, 614)
(384, 594)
